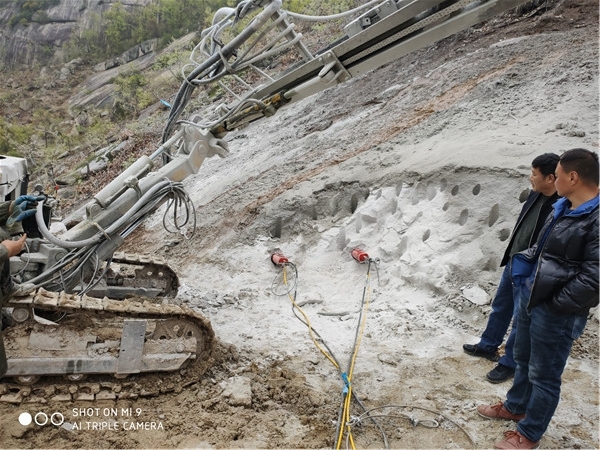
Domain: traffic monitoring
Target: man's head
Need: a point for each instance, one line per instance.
(577, 175)
(542, 175)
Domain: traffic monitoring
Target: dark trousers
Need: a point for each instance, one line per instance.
(542, 346)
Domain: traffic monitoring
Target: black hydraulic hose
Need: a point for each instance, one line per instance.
(187, 87)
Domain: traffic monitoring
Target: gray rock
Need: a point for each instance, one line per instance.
(237, 391)
(29, 44)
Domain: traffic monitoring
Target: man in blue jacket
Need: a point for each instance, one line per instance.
(535, 210)
(558, 279)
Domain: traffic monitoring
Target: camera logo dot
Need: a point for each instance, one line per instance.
(57, 419)
(25, 419)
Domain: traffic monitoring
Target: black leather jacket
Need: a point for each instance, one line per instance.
(566, 276)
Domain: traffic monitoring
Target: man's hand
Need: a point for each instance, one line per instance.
(14, 247)
(23, 207)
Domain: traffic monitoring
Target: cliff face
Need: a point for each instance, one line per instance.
(39, 42)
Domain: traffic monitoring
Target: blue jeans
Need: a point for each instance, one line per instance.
(504, 308)
(542, 346)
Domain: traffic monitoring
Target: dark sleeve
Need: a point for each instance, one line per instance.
(4, 213)
(4, 260)
(581, 292)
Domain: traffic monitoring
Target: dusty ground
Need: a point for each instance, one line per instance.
(422, 164)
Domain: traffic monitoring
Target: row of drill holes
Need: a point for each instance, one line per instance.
(462, 219)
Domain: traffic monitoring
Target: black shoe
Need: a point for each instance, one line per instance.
(474, 350)
(499, 374)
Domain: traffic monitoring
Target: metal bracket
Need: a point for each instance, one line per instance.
(333, 69)
(132, 347)
(372, 16)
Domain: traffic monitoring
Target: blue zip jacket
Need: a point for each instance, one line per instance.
(561, 269)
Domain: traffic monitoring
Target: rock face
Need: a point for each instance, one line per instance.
(40, 42)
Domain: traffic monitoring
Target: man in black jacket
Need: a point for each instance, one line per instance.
(558, 279)
(535, 210)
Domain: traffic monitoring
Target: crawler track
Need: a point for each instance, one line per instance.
(102, 338)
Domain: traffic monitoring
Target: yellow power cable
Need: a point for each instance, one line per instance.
(346, 412)
(310, 330)
(348, 417)
(362, 325)
(345, 420)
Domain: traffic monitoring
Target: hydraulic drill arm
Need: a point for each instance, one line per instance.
(380, 35)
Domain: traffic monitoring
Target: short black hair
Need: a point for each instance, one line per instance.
(582, 161)
(546, 163)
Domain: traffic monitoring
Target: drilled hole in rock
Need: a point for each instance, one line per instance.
(431, 191)
(353, 203)
(464, 215)
(419, 193)
(342, 238)
(504, 234)
(454, 190)
(276, 228)
(523, 196)
(422, 191)
(476, 189)
(490, 265)
(333, 207)
(443, 184)
(414, 198)
(403, 246)
(446, 206)
(426, 234)
(494, 214)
